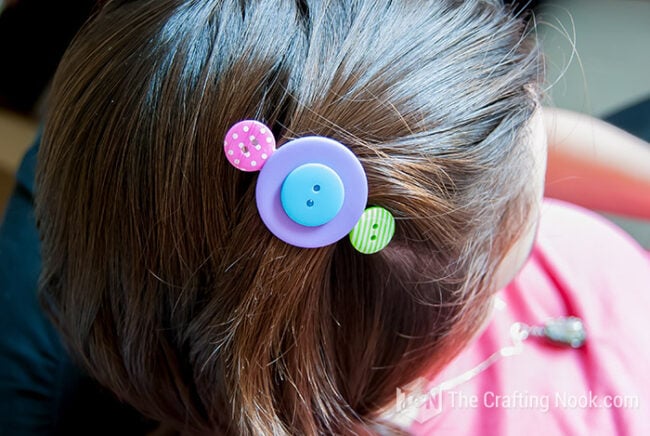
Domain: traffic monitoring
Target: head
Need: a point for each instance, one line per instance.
(157, 268)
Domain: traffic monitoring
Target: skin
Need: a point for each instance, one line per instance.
(590, 163)
(596, 165)
(520, 250)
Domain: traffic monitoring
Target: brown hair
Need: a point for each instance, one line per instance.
(156, 266)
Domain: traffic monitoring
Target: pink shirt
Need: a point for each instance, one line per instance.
(581, 265)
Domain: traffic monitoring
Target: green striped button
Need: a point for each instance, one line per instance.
(374, 230)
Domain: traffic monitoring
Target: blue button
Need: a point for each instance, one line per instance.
(312, 194)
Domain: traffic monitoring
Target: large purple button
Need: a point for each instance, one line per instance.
(308, 150)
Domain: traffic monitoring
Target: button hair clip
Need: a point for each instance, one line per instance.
(311, 192)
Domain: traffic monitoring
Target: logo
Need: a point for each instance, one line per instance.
(416, 403)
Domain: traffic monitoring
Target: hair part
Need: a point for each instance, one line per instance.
(157, 269)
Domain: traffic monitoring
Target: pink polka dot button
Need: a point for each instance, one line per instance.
(248, 145)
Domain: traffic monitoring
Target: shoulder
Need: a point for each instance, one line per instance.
(582, 265)
(589, 253)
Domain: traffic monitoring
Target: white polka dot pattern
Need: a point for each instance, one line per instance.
(248, 144)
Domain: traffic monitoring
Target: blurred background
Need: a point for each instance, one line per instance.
(33, 37)
(598, 63)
